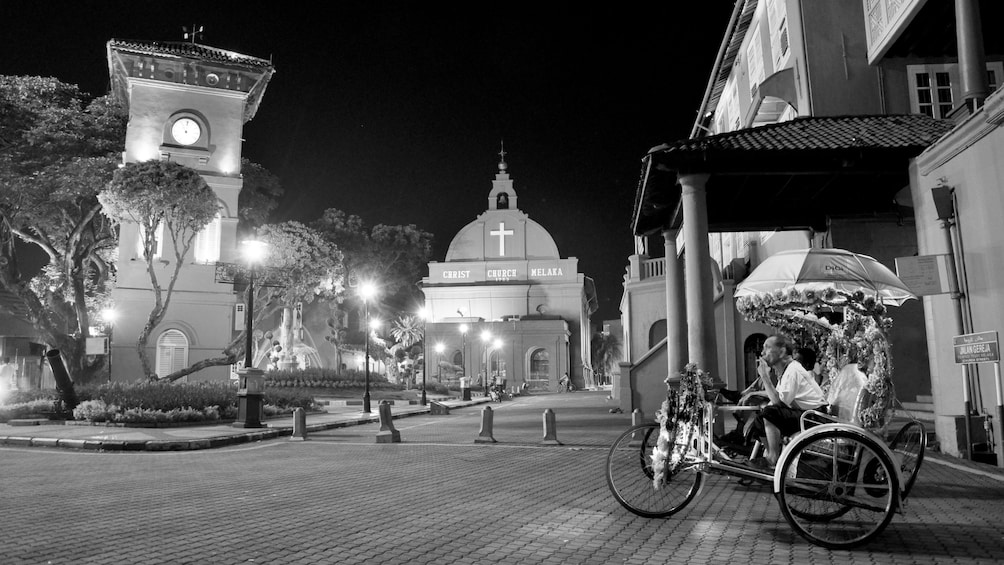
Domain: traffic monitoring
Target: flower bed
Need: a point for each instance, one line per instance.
(156, 403)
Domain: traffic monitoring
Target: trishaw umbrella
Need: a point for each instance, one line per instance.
(818, 269)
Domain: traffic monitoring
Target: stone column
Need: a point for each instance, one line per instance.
(699, 293)
(676, 312)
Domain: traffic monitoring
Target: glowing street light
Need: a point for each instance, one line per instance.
(367, 290)
(251, 391)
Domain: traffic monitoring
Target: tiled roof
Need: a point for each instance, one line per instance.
(190, 50)
(826, 133)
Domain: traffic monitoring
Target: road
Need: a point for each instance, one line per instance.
(437, 497)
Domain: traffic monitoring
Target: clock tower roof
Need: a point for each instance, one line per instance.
(188, 63)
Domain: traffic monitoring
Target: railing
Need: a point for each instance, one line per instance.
(653, 268)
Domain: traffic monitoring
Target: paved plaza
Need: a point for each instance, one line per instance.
(436, 497)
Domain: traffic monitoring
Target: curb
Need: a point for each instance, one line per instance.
(259, 434)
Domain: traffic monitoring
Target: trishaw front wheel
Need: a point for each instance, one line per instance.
(631, 478)
(838, 488)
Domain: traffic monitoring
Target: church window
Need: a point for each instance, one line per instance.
(207, 242)
(656, 333)
(172, 352)
(540, 369)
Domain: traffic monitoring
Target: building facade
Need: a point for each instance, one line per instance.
(780, 61)
(505, 303)
(187, 103)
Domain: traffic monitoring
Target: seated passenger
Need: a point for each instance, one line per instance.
(796, 391)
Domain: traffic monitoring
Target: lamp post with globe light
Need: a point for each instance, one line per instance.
(367, 290)
(439, 362)
(486, 337)
(463, 348)
(109, 315)
(251, 388)
(423, 313)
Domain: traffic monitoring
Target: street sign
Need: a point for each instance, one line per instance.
(981, 347)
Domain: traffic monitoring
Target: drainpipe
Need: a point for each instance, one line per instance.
(972, 59)
(945, 205)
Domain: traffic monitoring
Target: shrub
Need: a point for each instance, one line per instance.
(25, 409)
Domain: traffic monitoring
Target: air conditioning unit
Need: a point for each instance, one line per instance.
(239, 316)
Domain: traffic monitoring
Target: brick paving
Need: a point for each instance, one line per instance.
(437, 498)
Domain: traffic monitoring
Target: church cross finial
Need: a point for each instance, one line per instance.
(196, 33)
(502, 165)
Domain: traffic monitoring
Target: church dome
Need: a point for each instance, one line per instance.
(500, 235)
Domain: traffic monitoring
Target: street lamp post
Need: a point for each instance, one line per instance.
(486, 337)
(463, 348)
(251, 388)
(424, 314)
(439, 362)
(366, 291)
(109, 316)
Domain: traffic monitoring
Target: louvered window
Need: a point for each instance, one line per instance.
(207, 242)
(172, 352)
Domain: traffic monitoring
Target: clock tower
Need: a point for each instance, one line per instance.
(187, 103)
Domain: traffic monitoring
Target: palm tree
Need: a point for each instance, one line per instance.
(409, 330)
(606, 352)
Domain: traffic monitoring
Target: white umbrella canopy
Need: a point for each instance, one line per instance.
(816, 270)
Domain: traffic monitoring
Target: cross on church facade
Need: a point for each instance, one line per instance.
(501, 233)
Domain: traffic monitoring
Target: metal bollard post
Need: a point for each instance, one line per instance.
(299, 425)
(487, 416)
(387, 433)
(635, 420)
(550, 429)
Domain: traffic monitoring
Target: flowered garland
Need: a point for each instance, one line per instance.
(861, 338)
(679, 419)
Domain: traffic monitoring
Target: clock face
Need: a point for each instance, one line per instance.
(186, 131)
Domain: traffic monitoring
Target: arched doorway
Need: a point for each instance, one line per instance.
(540, 370)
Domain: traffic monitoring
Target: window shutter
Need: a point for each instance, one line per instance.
(172, 352)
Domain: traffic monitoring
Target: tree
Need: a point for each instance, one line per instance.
(409, 331)
(301, 266)
(162, 197)
(259, 196)
(606, 351)
(57, 151)
(392, 255)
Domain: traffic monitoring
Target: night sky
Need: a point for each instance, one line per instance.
(394, 110)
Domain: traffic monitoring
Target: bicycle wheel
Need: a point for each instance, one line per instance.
(909, 445)
(630, 476)
(838, 489)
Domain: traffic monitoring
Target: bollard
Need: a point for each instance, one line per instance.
(486, 426)
(635, 420)
(299, 425)
(387, 433)
(550, 429)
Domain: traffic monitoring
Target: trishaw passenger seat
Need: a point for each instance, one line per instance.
(843, 398)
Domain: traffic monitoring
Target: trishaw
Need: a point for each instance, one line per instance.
(843, 476)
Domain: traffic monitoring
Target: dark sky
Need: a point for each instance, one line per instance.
(394, 110)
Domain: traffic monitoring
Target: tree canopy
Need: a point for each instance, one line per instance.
(57, 151)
